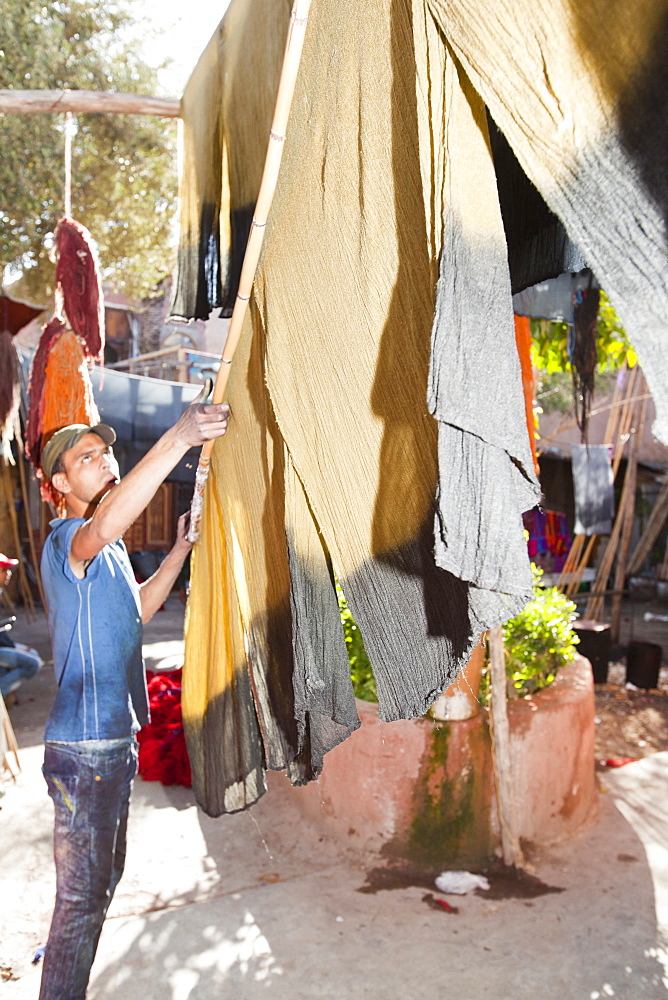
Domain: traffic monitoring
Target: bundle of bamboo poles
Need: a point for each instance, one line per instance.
(630, 393)
(8, 489)
(631, 427)
(656, 521)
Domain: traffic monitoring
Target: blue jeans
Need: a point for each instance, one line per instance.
(17, 663)
(90, 784)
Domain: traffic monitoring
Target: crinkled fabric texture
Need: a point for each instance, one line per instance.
(223, 152)
(589, 132)
(377, 390)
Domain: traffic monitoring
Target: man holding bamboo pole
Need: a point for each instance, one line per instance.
(96, 611)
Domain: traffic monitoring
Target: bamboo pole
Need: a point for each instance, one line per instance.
(595, 604)
(31, 533)
(652, 528)
(28, 102)
(614, 409)
(571, 561)
(12, 745)
(578, 572)
(621, 413)
(627, 527)
(23, 580)
(277, 135)
(505, 793)
(626, 418)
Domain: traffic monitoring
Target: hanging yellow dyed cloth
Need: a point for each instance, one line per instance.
(383, 284)
(331, 461)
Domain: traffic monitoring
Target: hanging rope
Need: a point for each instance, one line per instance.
(70, 131)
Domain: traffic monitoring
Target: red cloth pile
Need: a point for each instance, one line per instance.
(163, 755)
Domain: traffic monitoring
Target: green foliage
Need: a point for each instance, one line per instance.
(537, 642)
(364, 683)
(540, 639)
(555, 389)
(550, 342)
(123, 166)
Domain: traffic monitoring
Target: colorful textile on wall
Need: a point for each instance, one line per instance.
(593, 486)
(163, 755)
(549, 538)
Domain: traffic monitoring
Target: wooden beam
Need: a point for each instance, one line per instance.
(29, 102)
(651, 533)
(505, 788)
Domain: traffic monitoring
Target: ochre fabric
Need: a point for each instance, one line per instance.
(225, 110)
(355, 448)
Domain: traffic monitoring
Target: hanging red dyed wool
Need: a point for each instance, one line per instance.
(60, 388)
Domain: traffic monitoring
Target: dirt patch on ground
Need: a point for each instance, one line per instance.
(629, 723)
(504, 882)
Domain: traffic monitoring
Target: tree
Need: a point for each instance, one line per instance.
(123, 166)
(550, 356)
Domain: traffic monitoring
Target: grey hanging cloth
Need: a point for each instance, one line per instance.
(593, 488)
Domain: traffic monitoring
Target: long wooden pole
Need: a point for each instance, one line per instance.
(23, 579)
(627, 528)
(596, 604)
(277, 135)
(505, 792)
(31, 533)
(653, 527)
(30, 102)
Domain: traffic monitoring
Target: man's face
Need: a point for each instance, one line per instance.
(90, 470)
(5, 575)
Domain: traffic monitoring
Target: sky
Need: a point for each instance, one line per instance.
(182, 30)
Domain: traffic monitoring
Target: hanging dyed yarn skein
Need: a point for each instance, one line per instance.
(60, 389)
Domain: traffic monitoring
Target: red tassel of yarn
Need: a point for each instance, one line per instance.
(50, 333)
(78, 285)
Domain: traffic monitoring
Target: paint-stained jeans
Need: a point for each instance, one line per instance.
(90, 784)
(17, 664)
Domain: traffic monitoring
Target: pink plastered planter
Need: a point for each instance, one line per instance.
(424, 790)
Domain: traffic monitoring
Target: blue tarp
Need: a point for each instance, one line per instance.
(140, 410)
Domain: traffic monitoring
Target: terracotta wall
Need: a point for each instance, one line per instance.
(424, 790)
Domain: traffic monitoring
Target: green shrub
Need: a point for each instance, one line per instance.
(364, 683)
(539, 640)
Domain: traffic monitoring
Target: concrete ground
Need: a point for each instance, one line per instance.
(257, 904)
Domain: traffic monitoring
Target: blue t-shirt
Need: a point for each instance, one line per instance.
(96, 635)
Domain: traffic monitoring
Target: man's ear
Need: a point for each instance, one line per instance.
(60, 482)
